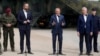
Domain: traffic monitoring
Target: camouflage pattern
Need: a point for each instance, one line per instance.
(0, 34)
(8, 31)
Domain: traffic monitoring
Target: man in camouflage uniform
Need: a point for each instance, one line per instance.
(0, 35)
(0, 28)
(8, 21)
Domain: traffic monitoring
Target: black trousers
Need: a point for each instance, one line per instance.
(86, 36)
(22, 34)
(54, 38)
(93, 39)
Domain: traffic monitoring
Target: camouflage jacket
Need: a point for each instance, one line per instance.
(8, 20)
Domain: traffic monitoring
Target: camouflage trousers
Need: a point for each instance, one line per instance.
(0, 44)
(8, 34)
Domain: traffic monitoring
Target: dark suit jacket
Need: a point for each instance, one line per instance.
(57, 28)
(81, 24)
(96, 23)
(21, 18)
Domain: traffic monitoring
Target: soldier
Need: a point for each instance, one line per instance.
(0, 35)
(8, 22)
(0, 27)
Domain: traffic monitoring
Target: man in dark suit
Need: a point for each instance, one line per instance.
(85, 28)
(24, 20)
(96, 27)
(57, 22)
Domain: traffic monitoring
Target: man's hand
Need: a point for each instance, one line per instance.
(53, 23)
(8, 25)
(98, 32)
(78, 34)
(25, 22)
(63, 24)
(28, 21)
(91, 33)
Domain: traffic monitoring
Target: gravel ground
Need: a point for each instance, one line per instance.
(41, 43)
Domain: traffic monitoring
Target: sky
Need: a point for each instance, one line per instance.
(93, 0)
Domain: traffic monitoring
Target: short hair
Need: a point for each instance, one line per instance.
(58, 8)
(94, 9)
(84, 7)
(25, 3)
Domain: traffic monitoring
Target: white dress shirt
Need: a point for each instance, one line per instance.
(57, 18)
(25, 13)
(85, 19)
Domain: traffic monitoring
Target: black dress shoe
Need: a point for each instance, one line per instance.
(30, 53)
(0, 53)
(96, 51)
(20, 53)
(5, 50)
(88, 54)
(60, 53)
(53, 53)
(13, 50)
(81, 53)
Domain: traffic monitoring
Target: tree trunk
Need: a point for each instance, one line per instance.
(49, 5)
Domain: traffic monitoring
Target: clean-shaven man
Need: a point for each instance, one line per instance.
(57, 22)
(96, 29)
(84, 30)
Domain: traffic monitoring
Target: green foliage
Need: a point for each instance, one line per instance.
(78, 4)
